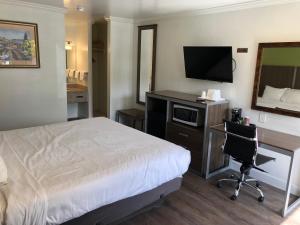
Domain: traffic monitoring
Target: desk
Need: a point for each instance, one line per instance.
(272, 140)
(134, 115)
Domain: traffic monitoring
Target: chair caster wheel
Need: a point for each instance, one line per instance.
(233, 197)
(219, 185)
(261, 199)
(258, 184)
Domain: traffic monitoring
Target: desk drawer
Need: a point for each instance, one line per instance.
(74, 97)
(189, 138)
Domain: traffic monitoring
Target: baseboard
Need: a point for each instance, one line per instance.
(267, 178)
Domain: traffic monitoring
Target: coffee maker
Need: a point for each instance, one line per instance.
(236, 115)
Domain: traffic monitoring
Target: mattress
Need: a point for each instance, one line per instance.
(62, 171)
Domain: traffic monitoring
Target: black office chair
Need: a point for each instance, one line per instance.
(241, 144)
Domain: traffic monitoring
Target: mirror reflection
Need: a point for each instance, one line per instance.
(70, 57)
(146, 61)
(278, 78)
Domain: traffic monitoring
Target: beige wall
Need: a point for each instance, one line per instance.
(30, 97)
(245, 28)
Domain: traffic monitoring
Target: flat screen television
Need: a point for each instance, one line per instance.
(209, 63)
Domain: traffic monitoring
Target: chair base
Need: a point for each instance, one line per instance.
(240, 182)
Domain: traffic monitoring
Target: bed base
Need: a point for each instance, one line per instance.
(122, 210)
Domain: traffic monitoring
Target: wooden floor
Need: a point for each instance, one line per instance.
(200, 202)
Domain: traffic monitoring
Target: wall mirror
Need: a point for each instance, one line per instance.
(277, 79)
(70, 55)
(146, 61)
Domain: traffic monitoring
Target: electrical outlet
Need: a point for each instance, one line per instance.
(263, 117)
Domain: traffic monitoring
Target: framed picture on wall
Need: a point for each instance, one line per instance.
(19, 46)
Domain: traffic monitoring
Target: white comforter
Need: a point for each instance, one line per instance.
(62, 171)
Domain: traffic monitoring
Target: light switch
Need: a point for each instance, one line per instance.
(242, 50)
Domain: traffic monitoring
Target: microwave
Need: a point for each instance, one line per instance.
(187, 115)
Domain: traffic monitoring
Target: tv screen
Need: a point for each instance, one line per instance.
(208, 63)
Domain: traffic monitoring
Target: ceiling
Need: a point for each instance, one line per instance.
(147, 8)
(139, 9)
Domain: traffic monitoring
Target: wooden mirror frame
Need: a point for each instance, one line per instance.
(140, 29)
(254, 105)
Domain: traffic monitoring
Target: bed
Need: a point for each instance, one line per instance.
(70, 171)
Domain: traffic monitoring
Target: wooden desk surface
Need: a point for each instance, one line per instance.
(76, 88)
(184, 96)
(134, 113)
(272, 138)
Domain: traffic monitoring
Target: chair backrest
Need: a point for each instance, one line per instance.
(241, 142)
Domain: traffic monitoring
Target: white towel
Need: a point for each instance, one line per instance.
(3, 172)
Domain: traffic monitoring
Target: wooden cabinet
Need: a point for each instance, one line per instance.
(78, 103)
(189, 138)
(159, 122)
(77, 96)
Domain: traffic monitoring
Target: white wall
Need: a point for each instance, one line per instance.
(122, 79)
(244, 28)
(30, 97)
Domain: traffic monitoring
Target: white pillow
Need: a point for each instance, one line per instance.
(3, 172)
(272, 93)
(291, 96)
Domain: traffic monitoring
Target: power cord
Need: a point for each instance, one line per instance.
(234, 63)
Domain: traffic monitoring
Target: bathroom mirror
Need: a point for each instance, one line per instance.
(146, 61)
(70, 55)
(277, 79)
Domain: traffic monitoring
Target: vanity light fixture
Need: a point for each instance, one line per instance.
(68, 45)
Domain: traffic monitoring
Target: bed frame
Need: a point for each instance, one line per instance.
(124, 209)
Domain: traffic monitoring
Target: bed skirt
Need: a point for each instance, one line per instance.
(123, 209)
